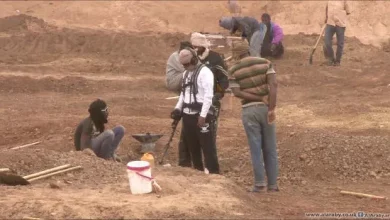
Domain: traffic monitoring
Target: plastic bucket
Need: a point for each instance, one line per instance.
(140, 177)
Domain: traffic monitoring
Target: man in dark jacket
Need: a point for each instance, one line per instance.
(250, 28)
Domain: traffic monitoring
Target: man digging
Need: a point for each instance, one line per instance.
(195, 107)
(252, 79)
(250, 28)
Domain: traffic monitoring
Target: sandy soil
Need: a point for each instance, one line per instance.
(332, 122)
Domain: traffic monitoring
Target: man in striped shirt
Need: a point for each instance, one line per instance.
(252, 79)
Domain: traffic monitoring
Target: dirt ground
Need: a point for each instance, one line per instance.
(333, 128)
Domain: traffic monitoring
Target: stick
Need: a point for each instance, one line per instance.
(228, 58)
(26, 145)
(157, 187)
(4, 170)
(362, 195)
(46, 171)
(315, 46)
(174, 97)
(222, 37)
(55, 173)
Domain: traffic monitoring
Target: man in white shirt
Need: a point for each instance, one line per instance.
(195, 107)
(336, 22)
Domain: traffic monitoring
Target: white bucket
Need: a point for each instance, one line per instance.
(140, 177)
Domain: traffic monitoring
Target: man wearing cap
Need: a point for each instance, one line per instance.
(252, 79)
(216, 64)
(250, 28)
(174, 69)
(195, 107)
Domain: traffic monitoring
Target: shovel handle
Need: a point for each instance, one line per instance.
(46, 171)
(318, 40)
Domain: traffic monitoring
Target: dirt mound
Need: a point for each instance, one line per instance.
(22, 22)
(293, 16)
(102, 51)
(34, 160)
(100, 190)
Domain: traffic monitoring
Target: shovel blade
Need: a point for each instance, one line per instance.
(12, 179)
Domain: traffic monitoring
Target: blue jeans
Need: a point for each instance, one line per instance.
(256, 41)
(262, 144)
(328, 50)
(107, 142)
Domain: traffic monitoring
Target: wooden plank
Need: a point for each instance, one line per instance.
(55, 173)
(4, 170)
(362, 195)
(26, 145)
(47, 171)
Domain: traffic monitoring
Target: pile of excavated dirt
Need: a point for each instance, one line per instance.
(22, 22)
(101, 190)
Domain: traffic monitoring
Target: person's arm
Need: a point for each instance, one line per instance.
(179, 104)
(207, 83)
(326, 13)
(277, 34)
(85, 139)
(273, 86)
(220, 70)
(234, 26)
(246, 95)
(236, 90)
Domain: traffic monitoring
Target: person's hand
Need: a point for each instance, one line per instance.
(271, 116)
(218, 96)
(273, 47)
(176, 114)
(201, 121)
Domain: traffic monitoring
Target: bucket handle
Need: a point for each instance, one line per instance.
(149, 178)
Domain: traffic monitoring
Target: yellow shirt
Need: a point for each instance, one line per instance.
(337, 13)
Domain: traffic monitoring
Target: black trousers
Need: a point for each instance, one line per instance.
(196, 140)
(184, 152)
(266, 50)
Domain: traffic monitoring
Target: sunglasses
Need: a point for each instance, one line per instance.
(105, 110)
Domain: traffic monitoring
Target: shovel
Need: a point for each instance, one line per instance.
(14, 179)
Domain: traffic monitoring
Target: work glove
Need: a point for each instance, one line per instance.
(176, 114)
